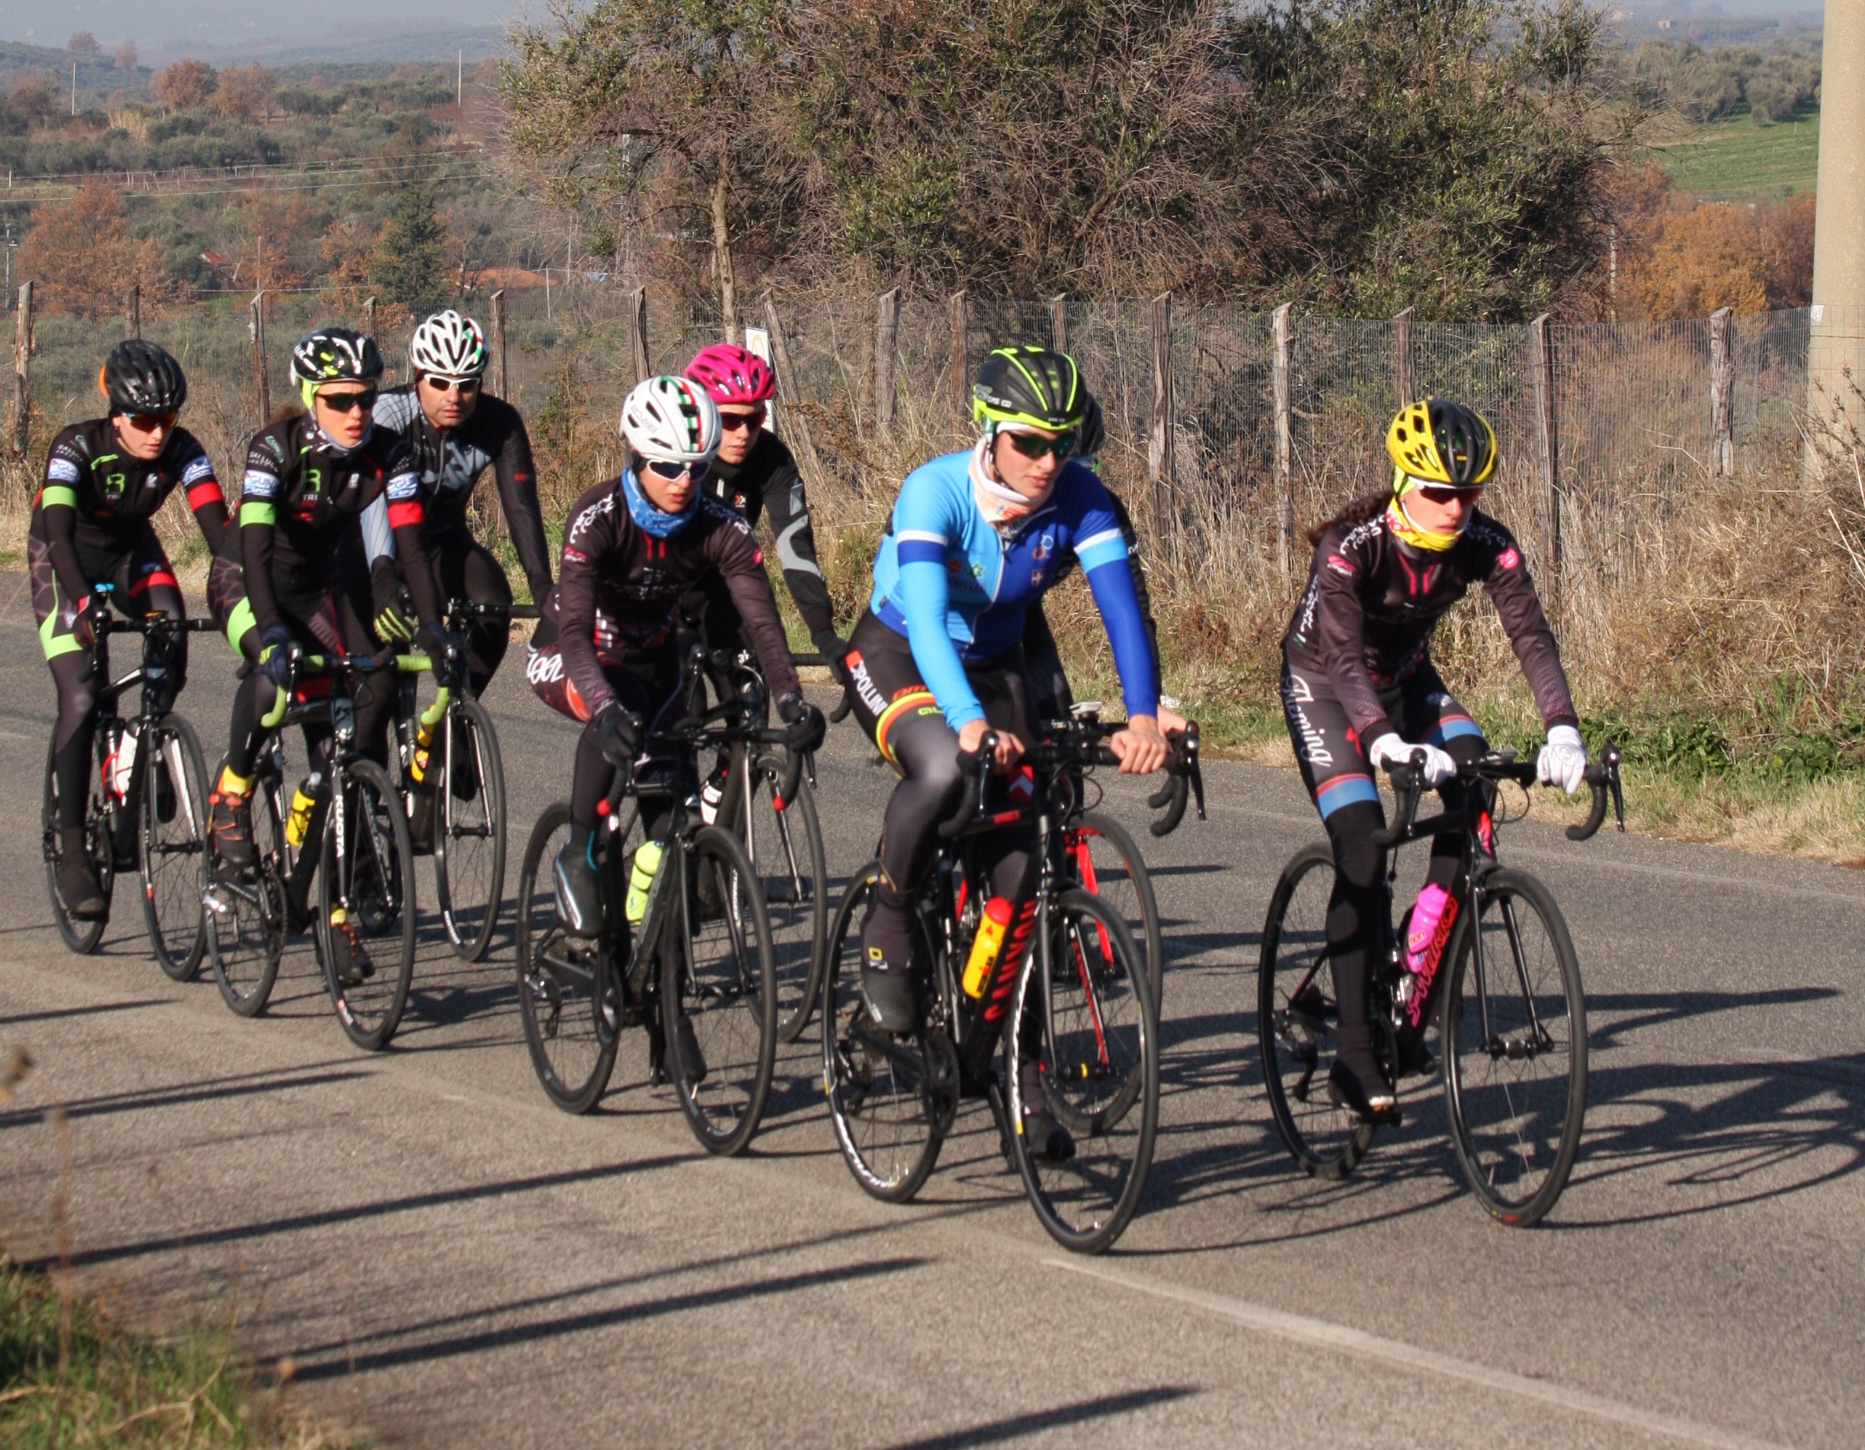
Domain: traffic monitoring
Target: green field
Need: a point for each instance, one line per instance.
(1736, 160)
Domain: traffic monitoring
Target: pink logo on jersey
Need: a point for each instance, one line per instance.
(1340, 565)
(1509, 558)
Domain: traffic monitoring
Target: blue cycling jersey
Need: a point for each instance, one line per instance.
(958, 591)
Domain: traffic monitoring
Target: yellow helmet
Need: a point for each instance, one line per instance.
(1443, 442)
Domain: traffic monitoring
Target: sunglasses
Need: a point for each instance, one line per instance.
(732, 422)
(463, 386)
(675, 471)
(150, 422)
(1034, 445)
(348, 402)
(1439, 494)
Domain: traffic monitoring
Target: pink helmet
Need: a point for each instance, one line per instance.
(731, 375)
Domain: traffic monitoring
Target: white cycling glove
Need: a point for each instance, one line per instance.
(1563, 760)
(1390, 750)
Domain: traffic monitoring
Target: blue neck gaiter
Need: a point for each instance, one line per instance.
(649, 519)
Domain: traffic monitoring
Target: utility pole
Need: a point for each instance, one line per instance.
(74, 88)
(459, 81)
(1838, 232)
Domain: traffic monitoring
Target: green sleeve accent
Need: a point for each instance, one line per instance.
(254, 512)
(58, 493)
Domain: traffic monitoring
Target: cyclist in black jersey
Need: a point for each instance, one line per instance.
(458, 430)
(104, 481)
(295, 572)
(752, 473)
(605, 652)
(1359, 692)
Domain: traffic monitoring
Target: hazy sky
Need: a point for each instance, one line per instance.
(216, 24)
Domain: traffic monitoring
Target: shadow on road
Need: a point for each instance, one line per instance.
(1080, 1413)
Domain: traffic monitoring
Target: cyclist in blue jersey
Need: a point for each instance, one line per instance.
(937, 661)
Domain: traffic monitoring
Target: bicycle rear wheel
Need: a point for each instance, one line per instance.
(1298, 1021)
(469, 829)
(371, 881)
(1515, 1050)
(1106, 860)
(246, 917)
(786, 852)
(1084, 1004)
(563, 981)
(81, 936)
(890, 1112)
(719, 994)
(173, 846)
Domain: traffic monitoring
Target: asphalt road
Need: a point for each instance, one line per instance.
(449, 1261)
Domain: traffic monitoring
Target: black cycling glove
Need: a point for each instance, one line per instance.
(618, 731)
(807, 727)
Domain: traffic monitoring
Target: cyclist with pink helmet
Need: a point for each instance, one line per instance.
(754, 472)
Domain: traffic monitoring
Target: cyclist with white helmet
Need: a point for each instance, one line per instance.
(604, 652)
(457, 431)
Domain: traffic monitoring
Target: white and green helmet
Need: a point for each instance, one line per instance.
(671, 420)
(449, 345)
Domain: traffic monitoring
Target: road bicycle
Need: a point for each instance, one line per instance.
(342, 832)
(1510, 1011)
(691, 962)
(1065, 1004)
(146, 809)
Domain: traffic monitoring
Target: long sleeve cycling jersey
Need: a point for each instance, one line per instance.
(301, 505)
(958, 591)
(450, 465)
(768, 478)
(619, 588)
(1372, 602)
(96, 496)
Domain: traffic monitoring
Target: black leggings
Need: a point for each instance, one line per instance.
(465, 569)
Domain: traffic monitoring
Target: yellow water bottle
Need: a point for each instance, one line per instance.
(984, 946)
(423, 738)
(640, 878)
(303, 801)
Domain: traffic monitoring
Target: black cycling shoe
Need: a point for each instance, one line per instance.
(1047, 1139)
(230, 828)
(78, 886)
(692, 1060)
(579, 891)
(1368, 1098)
(886, 961)
(350, 963)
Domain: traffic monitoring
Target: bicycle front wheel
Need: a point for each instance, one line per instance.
(173, 846)
(1086, 1045)
(1515, 1049)
(786, 852)
(890, 1109)
(365, 893)
(469, 829)
(1105, 859)
(246, 916)
(719, 994)
(81, 937)
(1298, 1020)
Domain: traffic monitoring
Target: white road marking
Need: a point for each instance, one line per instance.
(1302, 1330)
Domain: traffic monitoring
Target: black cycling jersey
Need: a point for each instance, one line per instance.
(97, 498)
(300, 509)
(450, 464)
(619, 589)
(1372, 602)
(768, 478)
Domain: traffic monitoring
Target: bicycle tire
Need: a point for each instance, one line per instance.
(1515, 1143)
(795, 876)
(718, 997)
(1297, 1020)
(172, 854)
(1128, 887)
(469, 880)
(1088, 1058)
(572, 1044)
(381, 882)
(889, 1132)
(247, 920)
(81, 937)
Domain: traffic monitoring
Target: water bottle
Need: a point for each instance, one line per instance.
(710, 794)
(985, 945)
(122, 759)
(640, 878)
(303, 801)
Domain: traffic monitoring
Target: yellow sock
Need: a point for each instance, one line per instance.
(231, 784)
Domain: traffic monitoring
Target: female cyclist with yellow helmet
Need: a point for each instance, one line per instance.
(1359, 692)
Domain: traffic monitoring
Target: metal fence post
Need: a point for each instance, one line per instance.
(1722, 393)
(22, 362)
(1402, 384)
(795, 424)
(961, 358)
(1159, 461)
(132, 311)
(886, 330)
(1058, 322)
(1285, 436)
(1541, 365)
(497, 303)
(256, 330)
(638, 331)
(369, 316)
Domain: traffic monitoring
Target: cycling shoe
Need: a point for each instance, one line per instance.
(1374, 1101)
(886, 966)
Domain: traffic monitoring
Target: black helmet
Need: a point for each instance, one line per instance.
(333, 355)
(1440, 441)
(139, 377)
(1030, 387)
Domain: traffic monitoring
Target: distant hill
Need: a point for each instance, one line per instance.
(98, 76)
(389, 43)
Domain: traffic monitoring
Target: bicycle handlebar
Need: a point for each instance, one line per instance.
(974, 765)
(473, 608)
(1183, 778)
(154, 623)
(1602, 778)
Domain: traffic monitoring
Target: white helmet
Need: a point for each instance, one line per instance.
(671, 420)
(449, 346)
